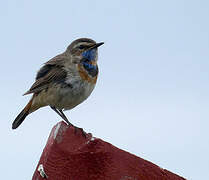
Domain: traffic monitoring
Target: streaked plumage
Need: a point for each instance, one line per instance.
(64, 81)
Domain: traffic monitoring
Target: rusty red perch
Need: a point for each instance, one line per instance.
(71, 156)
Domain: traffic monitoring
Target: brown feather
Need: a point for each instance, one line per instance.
(55, 75)
(22, 115)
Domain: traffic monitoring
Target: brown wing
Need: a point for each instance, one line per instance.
(47, 74)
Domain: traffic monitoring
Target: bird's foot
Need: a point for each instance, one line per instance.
(80, 129)
(76, 128)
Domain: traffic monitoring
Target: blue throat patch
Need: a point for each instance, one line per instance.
(91, 69)
(89, 56)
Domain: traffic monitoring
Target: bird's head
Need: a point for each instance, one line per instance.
(84, 53)
(84, 50)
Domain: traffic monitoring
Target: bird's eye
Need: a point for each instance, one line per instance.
(81, 47)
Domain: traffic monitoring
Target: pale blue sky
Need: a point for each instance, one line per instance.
(152, 95)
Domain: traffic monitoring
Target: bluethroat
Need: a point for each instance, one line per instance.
(65, 80)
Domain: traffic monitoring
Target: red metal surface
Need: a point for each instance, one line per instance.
(71, 156)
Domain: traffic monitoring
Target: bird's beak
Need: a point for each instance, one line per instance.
(97, 45)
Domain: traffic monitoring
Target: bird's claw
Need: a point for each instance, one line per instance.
(79, 129)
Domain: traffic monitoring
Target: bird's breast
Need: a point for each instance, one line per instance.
(88, 72)
(80, 91)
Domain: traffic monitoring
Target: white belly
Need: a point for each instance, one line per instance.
(76, 95)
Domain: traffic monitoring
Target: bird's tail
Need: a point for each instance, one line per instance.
(20, 118)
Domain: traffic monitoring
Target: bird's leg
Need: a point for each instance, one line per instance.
(76, 128)
(62, 115)
(65, 118)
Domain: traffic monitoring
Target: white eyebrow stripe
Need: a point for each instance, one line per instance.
(83, 43)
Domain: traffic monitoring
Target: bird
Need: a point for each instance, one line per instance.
(64, 81)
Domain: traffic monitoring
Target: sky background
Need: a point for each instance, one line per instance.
(152, 95)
